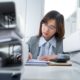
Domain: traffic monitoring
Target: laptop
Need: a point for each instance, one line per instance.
(71, 43)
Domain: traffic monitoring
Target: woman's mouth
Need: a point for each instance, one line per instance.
(45, 33)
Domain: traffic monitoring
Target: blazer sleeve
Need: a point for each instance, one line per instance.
(61, 55)
(32, 43)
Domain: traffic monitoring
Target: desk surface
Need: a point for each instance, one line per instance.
(10, 69)
(50, 73)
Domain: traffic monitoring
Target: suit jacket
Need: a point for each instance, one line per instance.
(34, 49)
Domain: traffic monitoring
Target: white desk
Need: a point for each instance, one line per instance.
(13, 70)
(50, 73)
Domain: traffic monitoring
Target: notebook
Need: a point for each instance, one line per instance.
(36, 62)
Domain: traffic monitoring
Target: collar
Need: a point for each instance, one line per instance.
(52, 41)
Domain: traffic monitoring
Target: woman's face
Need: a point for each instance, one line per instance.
(49, 29)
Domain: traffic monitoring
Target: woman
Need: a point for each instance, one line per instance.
(48, 45)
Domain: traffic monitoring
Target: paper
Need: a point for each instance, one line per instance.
(36, 62)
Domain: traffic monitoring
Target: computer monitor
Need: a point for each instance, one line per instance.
(7, 15)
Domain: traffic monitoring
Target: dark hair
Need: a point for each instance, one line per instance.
(59, 21)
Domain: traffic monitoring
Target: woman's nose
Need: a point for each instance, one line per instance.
(46, 29)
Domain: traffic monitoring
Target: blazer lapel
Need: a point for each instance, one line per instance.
(55, 49)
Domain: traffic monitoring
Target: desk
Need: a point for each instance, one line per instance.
(10, 73)
(50, 73)
(12, 70)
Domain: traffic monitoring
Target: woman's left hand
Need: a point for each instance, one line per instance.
(48, 57)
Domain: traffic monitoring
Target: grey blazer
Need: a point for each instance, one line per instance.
(34, 49)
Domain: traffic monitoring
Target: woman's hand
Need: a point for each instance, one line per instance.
(48, 57)
(29, 56)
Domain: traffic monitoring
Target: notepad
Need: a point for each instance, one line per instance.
(36, 62)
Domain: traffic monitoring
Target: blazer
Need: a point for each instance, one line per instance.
(34, 48)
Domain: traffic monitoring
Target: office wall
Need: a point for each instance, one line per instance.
(21, 14)
(34, 14)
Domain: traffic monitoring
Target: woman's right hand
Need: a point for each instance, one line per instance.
(29, 56)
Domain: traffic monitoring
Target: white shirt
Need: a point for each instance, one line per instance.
(46, 47)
